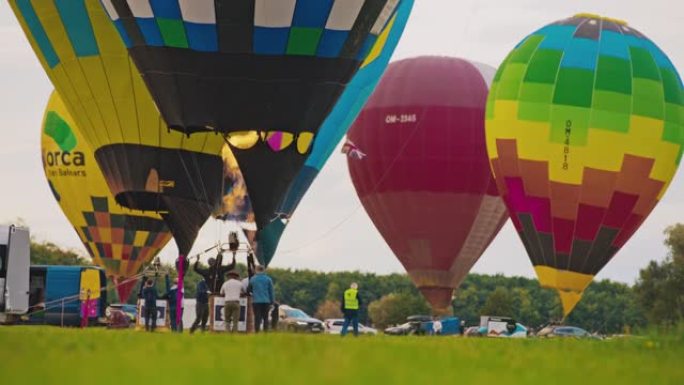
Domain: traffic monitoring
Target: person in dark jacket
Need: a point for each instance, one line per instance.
(261, 287)
(215, 273)
(148, 293)
(201, 306)
(172, 297)
(350, 305)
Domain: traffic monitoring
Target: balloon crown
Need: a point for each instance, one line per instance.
(599, 17)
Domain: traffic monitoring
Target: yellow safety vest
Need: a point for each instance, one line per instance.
(351, 302)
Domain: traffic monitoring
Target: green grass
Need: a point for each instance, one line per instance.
(47, 355)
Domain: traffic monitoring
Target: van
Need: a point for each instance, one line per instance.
(45, 294)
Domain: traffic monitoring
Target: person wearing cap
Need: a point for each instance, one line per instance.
(214, 274)
(350, 305)
(231, 291)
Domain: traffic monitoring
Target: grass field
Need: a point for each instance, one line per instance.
(49, 355)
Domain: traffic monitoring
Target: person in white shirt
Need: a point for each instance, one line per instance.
(231, 291)
(437, 327)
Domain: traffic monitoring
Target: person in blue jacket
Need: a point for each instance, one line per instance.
(171, 296)
(261, 287)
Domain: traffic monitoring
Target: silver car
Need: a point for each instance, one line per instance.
(334, 326)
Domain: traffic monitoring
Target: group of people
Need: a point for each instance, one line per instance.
(259, 286)
(149, 294)
(226, 282)
(217, 279)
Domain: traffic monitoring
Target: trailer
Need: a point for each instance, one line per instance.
(52, 295)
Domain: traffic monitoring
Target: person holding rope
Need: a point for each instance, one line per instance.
(172, 296)
(148, 292)
(214, 274)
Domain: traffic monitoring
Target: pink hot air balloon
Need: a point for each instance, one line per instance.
(425, 180)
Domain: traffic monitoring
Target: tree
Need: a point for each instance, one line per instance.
(468, 302)
(608, 307)
(328, 309)
(46, 253)
(660, 287)
(499, 302)
(525, 309)
(393, 309)
(334, 292)
(675, 241)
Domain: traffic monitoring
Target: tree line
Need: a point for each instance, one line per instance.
(656, 298)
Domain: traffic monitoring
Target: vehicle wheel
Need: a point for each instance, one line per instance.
(291, 329)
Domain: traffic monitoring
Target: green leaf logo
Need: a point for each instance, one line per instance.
(58, 129)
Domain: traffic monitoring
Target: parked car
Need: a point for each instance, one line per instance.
(516, 330)
(505, 327)
(414, 325)
(473, 331)
(408, 328)
(564, 331)
(334, 326)
(296, 320)
(130, 310)
(426, 325)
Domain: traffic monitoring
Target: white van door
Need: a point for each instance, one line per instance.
(4, 240)
(18, 265)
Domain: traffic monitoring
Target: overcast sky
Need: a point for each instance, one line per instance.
(330, 230)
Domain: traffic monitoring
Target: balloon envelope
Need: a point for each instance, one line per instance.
(265, 72)
(118, 239)
(336, 126)
(584, 132)
(425, 181)
(146, 166)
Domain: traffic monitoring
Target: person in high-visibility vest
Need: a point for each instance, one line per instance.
(351, 303)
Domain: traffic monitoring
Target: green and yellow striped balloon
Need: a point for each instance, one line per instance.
(585, 130)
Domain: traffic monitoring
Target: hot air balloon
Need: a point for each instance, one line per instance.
(335, 127)
(584, 133)
(265, 73)
(425, 181)
(118, 239)
(146, 165)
